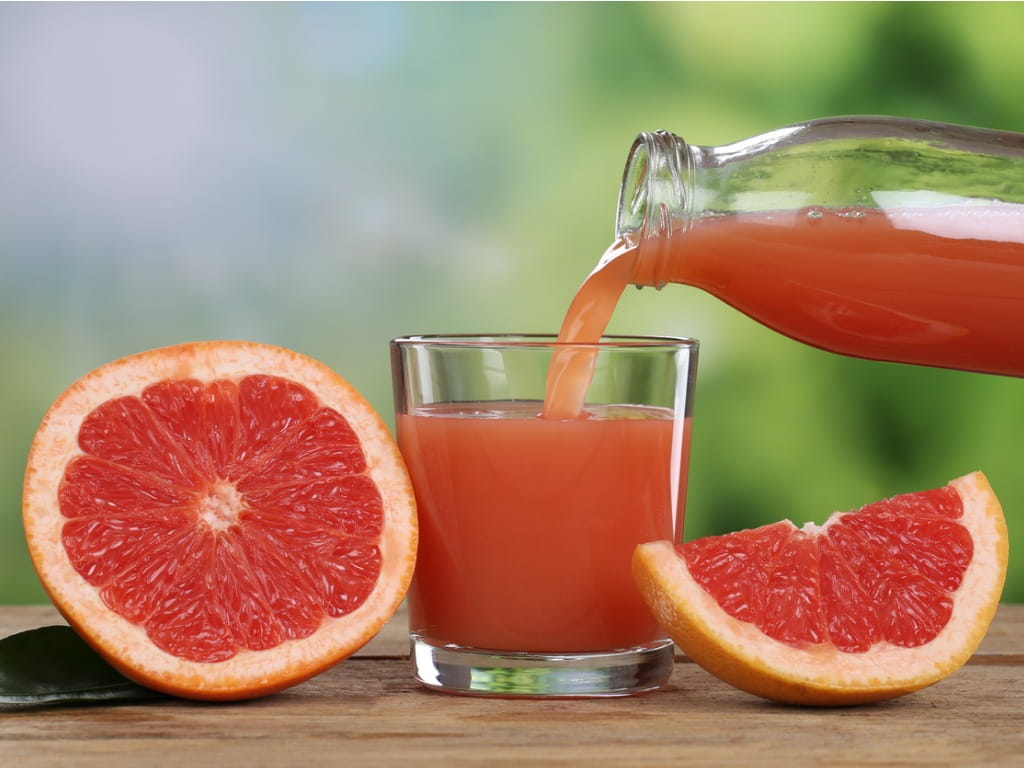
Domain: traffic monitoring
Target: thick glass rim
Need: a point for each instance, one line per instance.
(538, 340)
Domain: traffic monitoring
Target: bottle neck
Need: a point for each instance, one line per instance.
(656, 201)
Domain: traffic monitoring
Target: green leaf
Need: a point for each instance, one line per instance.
(53, 665)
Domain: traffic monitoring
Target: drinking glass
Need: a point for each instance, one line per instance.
(523, 582)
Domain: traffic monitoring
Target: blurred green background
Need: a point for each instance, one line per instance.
(325, 177)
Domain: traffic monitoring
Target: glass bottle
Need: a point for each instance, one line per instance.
(874, 237)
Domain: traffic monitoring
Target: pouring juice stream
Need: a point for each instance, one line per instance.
(907, 245)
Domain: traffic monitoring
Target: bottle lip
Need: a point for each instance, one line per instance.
(654, 185)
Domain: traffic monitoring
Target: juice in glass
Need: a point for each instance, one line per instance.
(528, 524)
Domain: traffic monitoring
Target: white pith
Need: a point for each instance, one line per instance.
(222, 506)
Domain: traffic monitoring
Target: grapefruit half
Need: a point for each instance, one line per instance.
(219, 520)
(875, 603)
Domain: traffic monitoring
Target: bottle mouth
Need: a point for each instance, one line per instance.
(653, 192)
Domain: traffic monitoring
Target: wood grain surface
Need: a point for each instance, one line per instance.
(369, 711)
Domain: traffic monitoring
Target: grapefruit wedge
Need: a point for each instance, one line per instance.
(877, 602)
(219, 520)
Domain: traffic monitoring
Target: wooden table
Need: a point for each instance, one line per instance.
(368, 710)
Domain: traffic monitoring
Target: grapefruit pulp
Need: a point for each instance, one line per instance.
(875, 603)
(219, 520)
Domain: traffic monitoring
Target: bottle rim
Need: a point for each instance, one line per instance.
(654, 187)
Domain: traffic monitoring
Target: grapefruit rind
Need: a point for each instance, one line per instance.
(124, 644)
(738, 652)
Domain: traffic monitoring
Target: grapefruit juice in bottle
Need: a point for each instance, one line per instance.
(872, 237)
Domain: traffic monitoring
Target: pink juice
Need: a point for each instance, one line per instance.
(939, 286)
(528, 524)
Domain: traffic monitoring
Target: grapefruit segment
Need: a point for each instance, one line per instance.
(875, 603)
(219, 519)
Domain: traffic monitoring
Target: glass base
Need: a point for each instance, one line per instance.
(505, 673)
